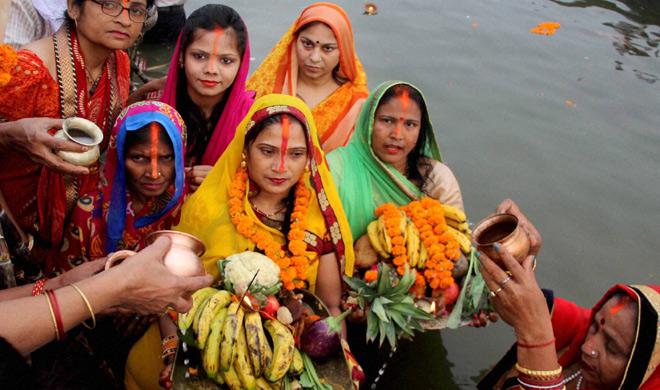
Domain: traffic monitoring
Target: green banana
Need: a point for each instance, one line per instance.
(258, 347)
(282, 351)
(211, 351)
(242, 363)
(374, 239)
(233, 322)
(216, 302)
(297, 365)
(186, 319)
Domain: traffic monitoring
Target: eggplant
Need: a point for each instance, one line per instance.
(322, 338)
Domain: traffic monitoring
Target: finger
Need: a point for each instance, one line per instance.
(187, 169)
(96, 265)
(51, 123)
(65, 145)
(528, 263)
(194, 283)
(509, 261)
(158, 249)
(56, 163)
(505, 206)
(489, 267)
(182, 305)
(197, 180)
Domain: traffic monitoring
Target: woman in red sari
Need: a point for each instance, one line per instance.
(615, 345)
(82, 71)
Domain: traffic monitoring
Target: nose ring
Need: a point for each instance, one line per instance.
(593, 353)
(159, 174)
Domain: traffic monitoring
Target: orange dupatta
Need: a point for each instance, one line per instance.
(335, 116)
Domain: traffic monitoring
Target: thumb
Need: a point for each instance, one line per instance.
(528, 263)
(158, 249)
(194, 283)
(51, 123)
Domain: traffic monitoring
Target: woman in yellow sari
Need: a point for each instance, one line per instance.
(316, 61)
(271, 191)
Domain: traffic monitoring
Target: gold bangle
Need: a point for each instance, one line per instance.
(538, 373)
(89, 307)
(52, 316)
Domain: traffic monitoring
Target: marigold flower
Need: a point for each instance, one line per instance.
(370, 276)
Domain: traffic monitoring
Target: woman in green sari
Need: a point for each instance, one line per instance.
(393, 157)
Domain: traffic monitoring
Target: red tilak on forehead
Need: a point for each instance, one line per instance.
(619, 305)
(154, 149)
(216, 41)
(285, 141)
(404, 98)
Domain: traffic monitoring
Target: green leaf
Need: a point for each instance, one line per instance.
(382, 332)
(456, 315)
(401, 323)
(384, 282)
(372, 326)
(390, 332)
(377, 307)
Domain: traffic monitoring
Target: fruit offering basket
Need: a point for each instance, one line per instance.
(247, 347)
(418, 271)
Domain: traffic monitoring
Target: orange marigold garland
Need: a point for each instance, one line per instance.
(8, 59)
(428, 217)
(293, 269)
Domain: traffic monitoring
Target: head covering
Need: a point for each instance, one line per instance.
(113, 179)
(363, 180)
(278, 73)
(206, 213)
(570, 324)
(238, 102)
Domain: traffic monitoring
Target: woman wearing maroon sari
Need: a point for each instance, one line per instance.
(81, 71)
(615, 345)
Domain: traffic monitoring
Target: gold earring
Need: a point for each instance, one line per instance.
(243, 162)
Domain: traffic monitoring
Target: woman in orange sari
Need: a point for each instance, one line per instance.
(81, 71)
(315, 60)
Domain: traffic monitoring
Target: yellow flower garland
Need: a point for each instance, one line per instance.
(293, 269)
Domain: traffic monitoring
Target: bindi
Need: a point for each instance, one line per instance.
(285, 142)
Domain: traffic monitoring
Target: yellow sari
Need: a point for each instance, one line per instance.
(335, 116)
(205, 214)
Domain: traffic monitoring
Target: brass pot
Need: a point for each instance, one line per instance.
(183, 258)
(503, 229)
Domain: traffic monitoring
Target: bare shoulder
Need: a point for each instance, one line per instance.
(44, 49)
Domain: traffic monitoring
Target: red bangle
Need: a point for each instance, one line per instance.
(38, 288)
(547, 343)
(58, 315)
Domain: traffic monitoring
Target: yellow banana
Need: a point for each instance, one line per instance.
(283, 347)
(403, 224)
(186, 319)
(460, 226)
(231, 379)
(374, 239)
(454, 213)
(242, 362)
(257, 344)
(462, 239)
(216, 302)
(297, 365)
(423, 256)
(233, 322)
(211, 352)
(386, 241)
(412, 244)
(198, 314)
(263, 384)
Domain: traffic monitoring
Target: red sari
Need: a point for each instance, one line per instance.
(36, 195)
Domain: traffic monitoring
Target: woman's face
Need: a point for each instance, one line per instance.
(317, 51)
(396, 129)
(609, 343)
(273, 169)
(149, 175)
(112, 32)
(211, 62)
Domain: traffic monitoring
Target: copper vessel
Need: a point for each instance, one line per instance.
(503, 229)
(183, 258)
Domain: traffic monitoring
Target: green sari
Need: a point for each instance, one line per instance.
(364, 181)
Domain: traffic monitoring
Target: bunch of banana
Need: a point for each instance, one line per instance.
(458, 225)
(235, 349)
(380, 240)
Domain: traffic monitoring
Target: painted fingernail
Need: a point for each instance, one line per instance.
(497, 247)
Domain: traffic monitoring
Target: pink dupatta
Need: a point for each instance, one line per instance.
(238, 103)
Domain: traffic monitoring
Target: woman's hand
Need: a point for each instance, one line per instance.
(150, 287)
(196, 175)
(517, 297)
(76, 274)
(30, 136)
(141, 93)
(535, 240)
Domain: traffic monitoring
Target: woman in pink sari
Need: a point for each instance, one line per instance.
(206, 84)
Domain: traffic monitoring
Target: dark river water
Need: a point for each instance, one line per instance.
(568, 125)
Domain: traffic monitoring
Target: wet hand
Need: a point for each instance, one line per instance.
(83, 271)
(535, 240)
(516, 295)
(150, 287)
(196, 175)
(30, 136)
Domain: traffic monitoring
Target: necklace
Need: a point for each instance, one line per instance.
(268, 215)
(571, 377)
